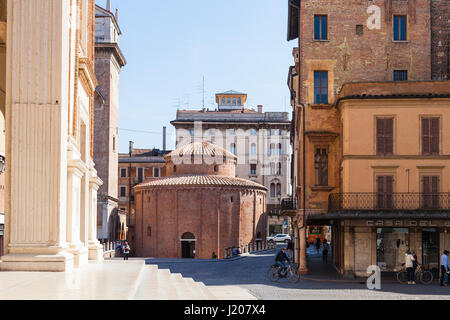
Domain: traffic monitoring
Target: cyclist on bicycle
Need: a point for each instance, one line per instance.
(280, 259)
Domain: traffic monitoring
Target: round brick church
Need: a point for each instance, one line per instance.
(199, 208)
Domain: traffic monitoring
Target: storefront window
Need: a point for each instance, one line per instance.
(392, 244)
(430, 250)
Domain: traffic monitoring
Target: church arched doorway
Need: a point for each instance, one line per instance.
(188, 246)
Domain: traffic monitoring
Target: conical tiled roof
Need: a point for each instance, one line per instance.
(201, 149)
(202, 180)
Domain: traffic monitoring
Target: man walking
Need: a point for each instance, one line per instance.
(126, 251)
(444, 267)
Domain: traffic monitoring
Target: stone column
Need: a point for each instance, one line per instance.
(75, 172)
(94, 246)
(37, 100)
(303, 266)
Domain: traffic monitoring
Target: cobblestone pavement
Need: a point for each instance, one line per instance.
(250, 273)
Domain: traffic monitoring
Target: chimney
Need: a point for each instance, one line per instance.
(131, 147)
(117, 15)
(108, 5)
(164, 138)
(260, 109)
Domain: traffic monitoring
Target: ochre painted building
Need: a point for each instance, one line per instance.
(200, 207)
(337, 50)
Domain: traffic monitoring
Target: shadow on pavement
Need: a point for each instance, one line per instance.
(252, 271)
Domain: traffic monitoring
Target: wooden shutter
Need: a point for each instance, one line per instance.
(385, 190)
(426, 136)
(385, 136)
(430, 136)
(435, 136)
(380, 140)
(389, 136)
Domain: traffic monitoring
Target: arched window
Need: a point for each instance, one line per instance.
(272, 190)
(272, 168)
(228, 101)
(239, 102)
(253, 149)
(279, 169)
(253, 132)
(234, 101)
(223, 101)
(280, 149)
(278, 189)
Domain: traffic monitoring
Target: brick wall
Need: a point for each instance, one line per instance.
(440, 38)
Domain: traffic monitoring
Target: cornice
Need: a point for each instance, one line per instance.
(114, 47)
(87, 74)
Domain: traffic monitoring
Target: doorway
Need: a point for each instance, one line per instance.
(188, 246)
(430, 250)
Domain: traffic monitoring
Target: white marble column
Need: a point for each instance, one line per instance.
(37, 100)
(94, 246)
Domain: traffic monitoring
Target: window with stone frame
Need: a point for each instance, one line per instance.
(400, 28)
(123, 172)
(385, 136)
(123, 191)
(320, 27)
(156, 172)
(321, 166)
(430, 136)
(320, 87)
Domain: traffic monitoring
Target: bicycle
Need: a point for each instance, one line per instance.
(290, 273)
(424, 276)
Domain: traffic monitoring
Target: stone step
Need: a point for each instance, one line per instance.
(147, 288)
(167, 289)
(208, 294)
(187, 288)
(230, 293)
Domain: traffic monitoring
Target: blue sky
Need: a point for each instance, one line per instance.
(171, 45)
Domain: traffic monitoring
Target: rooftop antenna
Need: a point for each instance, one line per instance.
(203, 90)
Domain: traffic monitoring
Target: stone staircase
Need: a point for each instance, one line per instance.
(113, 280)
(160, 284)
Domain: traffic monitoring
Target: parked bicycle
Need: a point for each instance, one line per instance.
(424, 276)
(290, 273)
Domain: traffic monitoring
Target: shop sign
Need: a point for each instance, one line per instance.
(401, 223)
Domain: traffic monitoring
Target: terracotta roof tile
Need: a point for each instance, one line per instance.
(201, 180)
(203, 148)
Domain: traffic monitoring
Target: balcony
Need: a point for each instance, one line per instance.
(339, 202)
(288, 204)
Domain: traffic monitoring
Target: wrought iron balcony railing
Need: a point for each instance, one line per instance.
(289, 204)
(388, 201)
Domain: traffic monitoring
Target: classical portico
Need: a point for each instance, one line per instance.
(51, 182)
